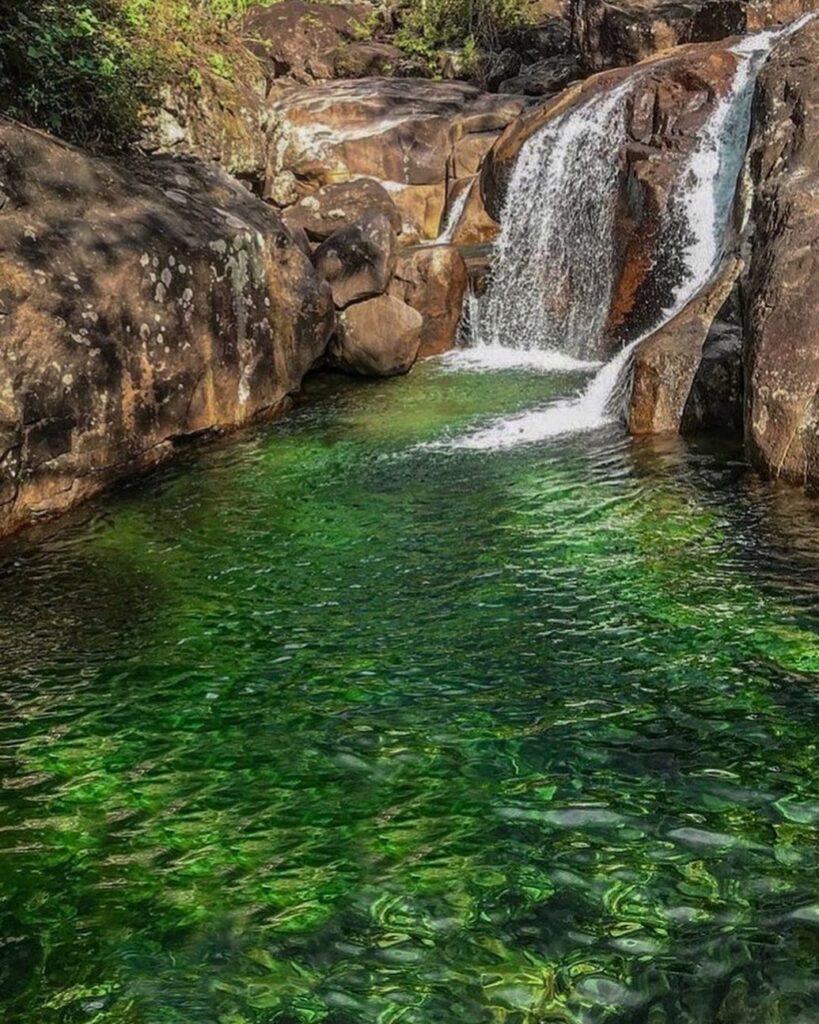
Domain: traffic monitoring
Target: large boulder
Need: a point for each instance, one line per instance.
(358, 261)
(433, 280)
(338, 206)
(609, 34)
(782, 290)
(141, 302)
(546, 77)
(715, 401)
(378, 338)
(666, 363)
(402, 132)
(301, 39)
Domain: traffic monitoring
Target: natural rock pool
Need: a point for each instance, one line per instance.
(323, 725)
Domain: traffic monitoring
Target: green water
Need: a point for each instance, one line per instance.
(322, 725)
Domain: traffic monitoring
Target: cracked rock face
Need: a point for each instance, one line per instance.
(781, 345)
(139, 304)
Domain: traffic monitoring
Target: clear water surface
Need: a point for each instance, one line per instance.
(323, 724)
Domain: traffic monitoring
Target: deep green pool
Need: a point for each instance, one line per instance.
(323, 725)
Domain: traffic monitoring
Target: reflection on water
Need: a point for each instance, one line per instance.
(324, 725)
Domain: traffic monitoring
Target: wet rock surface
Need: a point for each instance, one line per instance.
(433, 280)
(141, 303)
(781, 353)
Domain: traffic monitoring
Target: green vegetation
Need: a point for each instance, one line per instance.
(86, 69)
(474, 25)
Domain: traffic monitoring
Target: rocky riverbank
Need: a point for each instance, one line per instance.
(299, 219)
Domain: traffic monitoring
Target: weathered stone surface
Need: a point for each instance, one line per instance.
(433, 280)
(475, 226)
(337, 206)
(225, 121)
(782, 291)
(666, 363)
(608, 34)
(715, 401)
(358, 261)
(421, 208)
(302, 39)
(378, 338)
(544, 78)
(367, 60)
(672, 99)
(400, 132)
(140, 302)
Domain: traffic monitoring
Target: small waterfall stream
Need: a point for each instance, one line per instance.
(553, 277)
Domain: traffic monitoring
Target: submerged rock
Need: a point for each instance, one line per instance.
(140, 304)
(377, 338)
(782, 288)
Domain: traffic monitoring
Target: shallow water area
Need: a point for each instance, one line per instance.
(340, 721)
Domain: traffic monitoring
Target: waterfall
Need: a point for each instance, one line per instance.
(522, 308)
(553, 271)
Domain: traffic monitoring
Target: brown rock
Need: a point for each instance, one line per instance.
(367, 60)
(358, 261)
(475, 226)
(608, 34)
(433, 280)
(302, 39)
(378, 338)
(715, 402)
(782, 289)
(544, 78)
(140, 302)
(338, 206)
(667, 362)
(421, 208)
(401, 131)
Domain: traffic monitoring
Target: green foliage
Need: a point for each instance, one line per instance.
(430, 25)
(87, 69)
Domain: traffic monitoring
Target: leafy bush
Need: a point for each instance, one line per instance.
(86, 69)
(430, 25)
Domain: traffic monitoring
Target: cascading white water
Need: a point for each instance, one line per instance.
(553, 271)
(706, 189)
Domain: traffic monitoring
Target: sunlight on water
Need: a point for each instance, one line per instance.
(319, 726)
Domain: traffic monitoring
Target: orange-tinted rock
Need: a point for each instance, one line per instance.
(141, 302)
(475, 226)
(433, 280)
(782, 288)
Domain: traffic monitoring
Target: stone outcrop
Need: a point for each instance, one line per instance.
(611, 34)
(782, 289)
(409, 134)
(433, 280)
(666, 364)
(332, 207)
(377, 338)
(715, 401)
(358, 261)
(140, 303)
(302, 40)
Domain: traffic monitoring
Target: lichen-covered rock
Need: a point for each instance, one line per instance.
(782, 290)
(377, 338)
(338, 206)
(140, 303)
(358, 261)
(433, 280)
(222, 120)
(302, 39)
